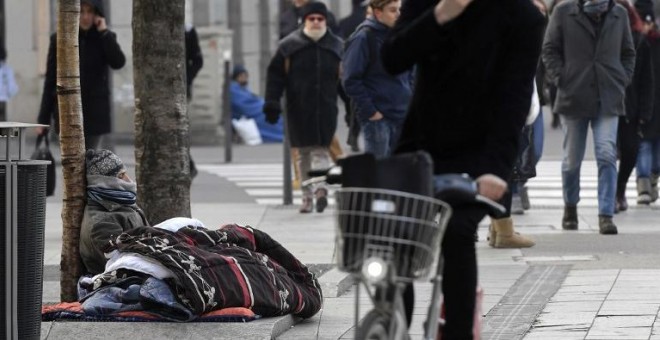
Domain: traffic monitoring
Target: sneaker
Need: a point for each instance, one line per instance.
(606, 226)
(570, 220)
(306, 206)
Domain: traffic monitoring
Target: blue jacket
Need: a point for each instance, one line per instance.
(370, 87)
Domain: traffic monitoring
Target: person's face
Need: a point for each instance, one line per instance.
(242, 79)
(647, 27)
(388, 14)
(315, 22)
(87, 16)
(124, 176)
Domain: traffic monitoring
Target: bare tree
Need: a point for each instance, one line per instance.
(72, 143)
(161, 120)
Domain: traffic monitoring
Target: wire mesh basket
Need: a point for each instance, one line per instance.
(401, 228)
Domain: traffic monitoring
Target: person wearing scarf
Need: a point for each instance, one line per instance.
(111, 207)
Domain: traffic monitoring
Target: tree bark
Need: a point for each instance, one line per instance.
(161, 121)
(72, 143)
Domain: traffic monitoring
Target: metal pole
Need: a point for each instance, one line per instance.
(226, 112)
(288, 188)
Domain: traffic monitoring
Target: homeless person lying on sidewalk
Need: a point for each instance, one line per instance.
(179, 269)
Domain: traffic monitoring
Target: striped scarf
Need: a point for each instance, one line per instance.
(122, 197)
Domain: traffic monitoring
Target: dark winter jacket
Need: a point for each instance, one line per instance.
(651, 129)
(473, 85)
(591, 70)
(194, 59)
(309, 73)
(369, 86)
(639, 95)
(103, 222)
(291, 20)
(98, 51)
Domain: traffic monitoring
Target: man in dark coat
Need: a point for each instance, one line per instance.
(194, 63)
(348, 24)
(475, 64)
(98, 49)
(589, 55)
(292, 18)
(306, 65)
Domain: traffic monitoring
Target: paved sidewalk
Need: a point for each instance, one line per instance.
(605, 288)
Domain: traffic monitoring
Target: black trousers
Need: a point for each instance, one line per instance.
(459, 278)
(628, 141)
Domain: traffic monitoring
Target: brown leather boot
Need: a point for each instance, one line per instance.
(505, 237)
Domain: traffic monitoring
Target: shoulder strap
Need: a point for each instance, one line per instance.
(371, 42)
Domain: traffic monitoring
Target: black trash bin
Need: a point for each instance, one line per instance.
(23, 199)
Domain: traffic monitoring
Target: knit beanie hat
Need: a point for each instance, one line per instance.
(315, 8)
(103, 162)
(645, 10)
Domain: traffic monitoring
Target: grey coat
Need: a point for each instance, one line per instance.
(589, 69)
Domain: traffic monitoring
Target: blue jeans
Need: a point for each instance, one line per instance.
(604, 130)
(648, 158)
(380, 136)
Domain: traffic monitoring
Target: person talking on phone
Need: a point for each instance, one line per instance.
(99, 51)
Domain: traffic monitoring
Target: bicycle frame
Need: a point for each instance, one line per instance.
(398, 328)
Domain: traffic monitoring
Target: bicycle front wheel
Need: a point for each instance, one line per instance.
(375, 326)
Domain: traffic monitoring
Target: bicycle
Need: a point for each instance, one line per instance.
(387, 239)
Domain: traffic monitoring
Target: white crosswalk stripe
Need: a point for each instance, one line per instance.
(545, 190)
(264, 182)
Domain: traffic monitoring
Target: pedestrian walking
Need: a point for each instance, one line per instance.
(8, 86)
(648, 159)
(98, 50)
(380, 100)
(475, 64)
(291, 20)
(194, 63)
(589, 54)
(639, 108)
(306, 66)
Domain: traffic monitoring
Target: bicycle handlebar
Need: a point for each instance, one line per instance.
(455, 189)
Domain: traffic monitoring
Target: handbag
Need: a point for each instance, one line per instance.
(42, 153)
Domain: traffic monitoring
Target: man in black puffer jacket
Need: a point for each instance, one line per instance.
(98, 50)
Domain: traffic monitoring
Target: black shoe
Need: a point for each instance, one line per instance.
(321, 200)
(606, 225)
(570, 220)
(621, 204)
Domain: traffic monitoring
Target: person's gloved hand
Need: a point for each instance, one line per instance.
(272, 111)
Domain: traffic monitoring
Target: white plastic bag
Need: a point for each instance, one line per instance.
(247, 130)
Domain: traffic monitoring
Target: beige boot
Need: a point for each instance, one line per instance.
(505, 237)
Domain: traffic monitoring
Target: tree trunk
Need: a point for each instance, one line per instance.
(161, 121)
(72, 143)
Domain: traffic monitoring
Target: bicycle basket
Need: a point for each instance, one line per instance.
(402, 228)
